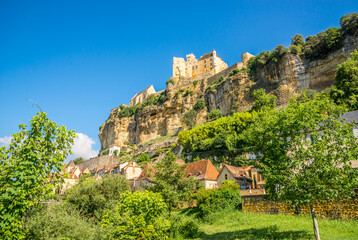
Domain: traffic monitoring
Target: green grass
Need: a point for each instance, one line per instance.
(232, 225)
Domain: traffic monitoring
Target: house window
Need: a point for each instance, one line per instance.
(225, 176)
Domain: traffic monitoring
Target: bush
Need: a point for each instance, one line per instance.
(295, 49)
(105, 152)
(189, 118)
(214, 114)
(170, 80)
(234, 71)
(55, 221)
(143, 159)
(183, 226)
(195, 83)
(200, 104)
(212, 200)
(188, 92)
(138, 215)
(91, 197)
(349, 23)
(298, 40)
(263, 100)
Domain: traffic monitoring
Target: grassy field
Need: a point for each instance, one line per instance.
(238, 225)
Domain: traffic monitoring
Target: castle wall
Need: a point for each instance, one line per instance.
(142, 96)
(225, 72)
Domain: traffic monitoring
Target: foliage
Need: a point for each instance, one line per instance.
(32, 156)
(138, 215)
(295, 49)
(200, 104)
(298, 40)
(307, 94)
(159, 151)
(55, 221)
(214, 114)
(263, 100)
(211, 200)
(169, 182)
(320, 45)
(345, 90)
(349, 23)
(222, 134)
(105, 151)
(215, 83)
(195, 83)
(266, 57)
(170, 80)
(304, 152)
(179, 92)
(183, 226)
(150, 101)
(79, 160)
(143, 159)
(92, 196)
(241, 160)
(188, 92)
(189, 118)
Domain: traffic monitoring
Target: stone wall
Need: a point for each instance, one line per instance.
(99, 162)
(347, 209)
(225, 72)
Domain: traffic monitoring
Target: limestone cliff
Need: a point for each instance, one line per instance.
(284, 79)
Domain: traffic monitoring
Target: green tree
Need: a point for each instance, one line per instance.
(169, 181)
(304, 153)
(138, 215)
(345, 90)
(263, 100)
(34, 154)
(79, 160)
(143, 159)
(92, 196)
(298, 40)
(349, 23)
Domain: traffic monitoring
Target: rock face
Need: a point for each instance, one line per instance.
(284, 79)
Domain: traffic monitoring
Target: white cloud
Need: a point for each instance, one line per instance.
(5, 141)
(82, 147)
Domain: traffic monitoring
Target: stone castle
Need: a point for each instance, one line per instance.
(209, 66)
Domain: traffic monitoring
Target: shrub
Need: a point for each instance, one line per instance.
(143, 159)
(188, 92)
(263, 100)
(349, 23)
(189, 118)
(200, 104)
(55, 221)
(295, 49)
(91, 197)
(214, 114)
(183, 226)
(195, 83)
(138, 215)
(170, 80)
(105, 152)
(226, 196)
(298, 40)
(234, 71)
(179, 92)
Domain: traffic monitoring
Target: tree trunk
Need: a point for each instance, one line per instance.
(315, 223)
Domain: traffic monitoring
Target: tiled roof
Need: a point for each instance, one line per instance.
(202, 169)
(205, 56)
(71, 164)
(238, 172)
(149, 169)
(84, 170)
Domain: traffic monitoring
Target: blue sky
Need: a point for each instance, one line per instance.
(80, 59)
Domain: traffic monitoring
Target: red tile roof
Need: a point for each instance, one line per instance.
(202, 169)
(149, 169)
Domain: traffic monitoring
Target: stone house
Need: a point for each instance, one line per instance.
(142, 96)
(244, 176)
(131, 170)
(114, 150)
(204, 171)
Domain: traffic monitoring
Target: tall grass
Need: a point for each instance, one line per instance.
(234, 224)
